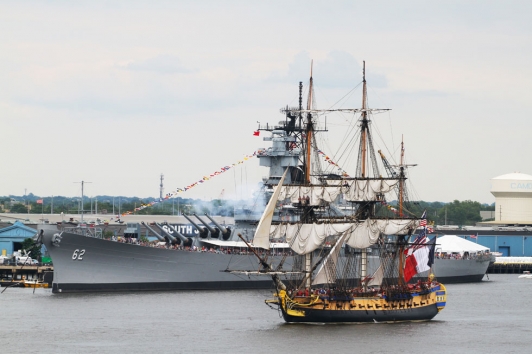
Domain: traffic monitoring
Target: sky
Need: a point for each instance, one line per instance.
(117, 93)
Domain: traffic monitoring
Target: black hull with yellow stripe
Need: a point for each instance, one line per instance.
(418, 307)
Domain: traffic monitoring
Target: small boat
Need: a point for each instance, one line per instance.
(34, 284)
(24, 283)
(526, 275)
(329, 280)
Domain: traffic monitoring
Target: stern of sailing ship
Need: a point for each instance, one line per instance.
(373, 308)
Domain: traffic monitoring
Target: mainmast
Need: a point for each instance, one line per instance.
(309, 131)
(308, 146)
(364, 149)
(363, 138)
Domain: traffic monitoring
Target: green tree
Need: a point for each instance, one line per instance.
(34, 250)
(19, 208)
(460, 213)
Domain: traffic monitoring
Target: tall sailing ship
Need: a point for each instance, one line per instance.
(329, 279)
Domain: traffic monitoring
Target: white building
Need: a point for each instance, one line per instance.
(513, 198)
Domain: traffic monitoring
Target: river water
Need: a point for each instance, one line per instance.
(488, 317)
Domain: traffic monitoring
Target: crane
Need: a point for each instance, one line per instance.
(387, 166)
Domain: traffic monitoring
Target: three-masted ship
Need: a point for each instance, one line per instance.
(355, 264)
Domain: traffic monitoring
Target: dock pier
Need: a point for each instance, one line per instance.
(510, 265)
(11, 273)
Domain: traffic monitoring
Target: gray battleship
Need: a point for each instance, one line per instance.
(85, 261)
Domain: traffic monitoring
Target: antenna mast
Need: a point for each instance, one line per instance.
(82, 207)
(161, 187)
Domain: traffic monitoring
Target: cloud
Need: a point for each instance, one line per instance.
(163, 64)
(338, 69)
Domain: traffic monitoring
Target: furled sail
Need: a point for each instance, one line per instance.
(262, 234)
(305, 238)
(367, 232)
(310, 195)
(365, 189)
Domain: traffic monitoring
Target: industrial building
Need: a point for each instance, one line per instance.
(510, 233)
(513, 199)
(11, 237)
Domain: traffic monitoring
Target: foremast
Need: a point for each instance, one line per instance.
(307, 208)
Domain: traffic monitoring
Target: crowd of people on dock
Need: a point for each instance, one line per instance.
(204, 249)
(466, 255)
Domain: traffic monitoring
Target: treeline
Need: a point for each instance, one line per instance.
(32, 204)
(459, 213)
(455, 213)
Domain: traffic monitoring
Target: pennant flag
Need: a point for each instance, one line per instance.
(40, 201)
(256, 133)
(199, 182)
(473, 236)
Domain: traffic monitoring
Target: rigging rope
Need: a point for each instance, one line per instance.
(192, 185)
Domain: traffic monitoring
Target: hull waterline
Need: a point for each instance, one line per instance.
(84, 263)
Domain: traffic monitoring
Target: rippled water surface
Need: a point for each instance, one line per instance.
(489, 317)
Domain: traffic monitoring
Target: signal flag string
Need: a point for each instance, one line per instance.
(217, 173)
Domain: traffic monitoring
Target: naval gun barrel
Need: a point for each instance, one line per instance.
(186, 241)
(214, 232)
(170, 237)
(159, 237)
(203, 232)
(226, 231)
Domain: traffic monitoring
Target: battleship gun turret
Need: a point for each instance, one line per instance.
(203, 232)
(167, 234)
(187, 241)
(159, 237)
(226, 231)
(215, 232)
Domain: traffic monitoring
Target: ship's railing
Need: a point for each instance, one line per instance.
(95, 232)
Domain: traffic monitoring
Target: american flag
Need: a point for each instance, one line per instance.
(421, 237)
(423, 222)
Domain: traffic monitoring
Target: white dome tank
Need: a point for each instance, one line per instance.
(513, 198)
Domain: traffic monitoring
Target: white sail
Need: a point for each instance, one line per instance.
(310, 195)
(305, 238)
(363, 190)
(327, 272)
(376, 279)
(262, 234)
(367, 232)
